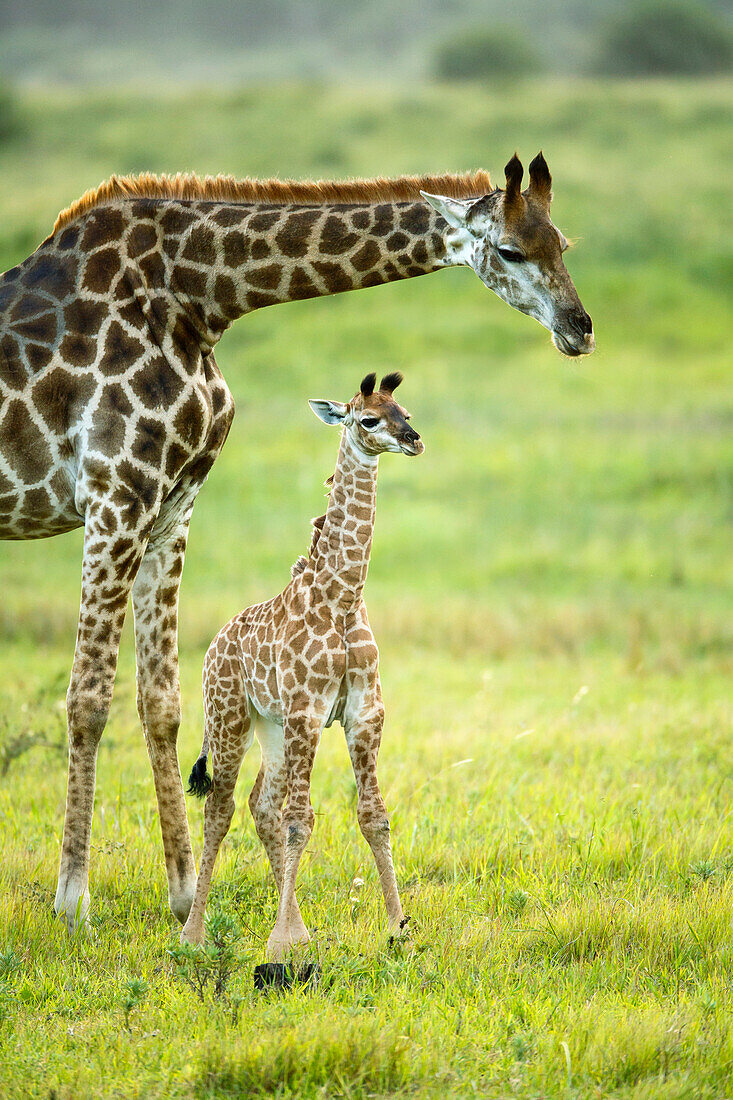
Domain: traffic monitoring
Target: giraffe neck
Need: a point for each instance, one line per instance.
(341, 556)
(224, 259)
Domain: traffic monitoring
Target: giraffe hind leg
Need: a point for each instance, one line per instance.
(265, 803)
(229, 734)
(155, 605)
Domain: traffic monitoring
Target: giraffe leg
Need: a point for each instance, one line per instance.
(229, 740)
(155, 606)
(105, 589)
(265, 803)
(302, 733)
(363, 737)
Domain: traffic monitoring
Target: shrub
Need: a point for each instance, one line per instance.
(671, 36)
(482, 53)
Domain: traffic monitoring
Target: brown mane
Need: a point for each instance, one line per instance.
(298, 566)
(230, 189)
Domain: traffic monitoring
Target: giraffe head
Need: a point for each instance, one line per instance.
(509, 240)
(373, 419)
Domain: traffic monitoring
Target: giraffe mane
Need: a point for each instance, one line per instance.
(187, 185)
(299, 565)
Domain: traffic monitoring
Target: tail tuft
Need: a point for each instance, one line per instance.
(199, 781)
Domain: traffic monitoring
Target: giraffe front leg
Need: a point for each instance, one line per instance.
(363, 737)
(302, 733)
(155, 606)
(105, 589)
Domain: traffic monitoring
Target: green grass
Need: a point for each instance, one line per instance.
(550, 588)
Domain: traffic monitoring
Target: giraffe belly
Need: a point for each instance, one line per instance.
(35, 515)
(337, 710)
(264, 696)
(268, 704)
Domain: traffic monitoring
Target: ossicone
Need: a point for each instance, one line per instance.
(390, 382)
(368, 384)
(513, 172)
(540, 180)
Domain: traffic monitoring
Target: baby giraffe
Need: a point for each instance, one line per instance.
(305, 659)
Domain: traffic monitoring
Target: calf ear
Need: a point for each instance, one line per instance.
(457, 212)
(330, 412)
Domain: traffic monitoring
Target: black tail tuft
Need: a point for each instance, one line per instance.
(199, 781)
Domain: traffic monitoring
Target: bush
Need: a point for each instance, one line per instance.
(671, 36)
(483, 53)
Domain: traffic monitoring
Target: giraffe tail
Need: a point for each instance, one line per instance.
(199, 781)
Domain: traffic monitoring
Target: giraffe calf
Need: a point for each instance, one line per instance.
(305, 659)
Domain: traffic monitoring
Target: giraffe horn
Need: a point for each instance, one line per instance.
(513, 172)
(540, 180)
(368, 384)
(390, 382)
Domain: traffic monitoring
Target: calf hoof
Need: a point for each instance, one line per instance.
(283, 976)
(192, 935)
(278, 949)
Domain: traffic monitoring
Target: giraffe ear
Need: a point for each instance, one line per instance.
(456, 212)
(330, 412)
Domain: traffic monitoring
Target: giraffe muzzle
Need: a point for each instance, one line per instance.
(576, 337)
(412, 444)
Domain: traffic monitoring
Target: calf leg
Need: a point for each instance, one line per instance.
(302, 733)
(265, 803)
(228, 741)
(363, 737)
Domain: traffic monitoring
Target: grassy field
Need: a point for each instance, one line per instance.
(551, 590)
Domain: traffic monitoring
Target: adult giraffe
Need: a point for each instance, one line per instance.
(112, 407)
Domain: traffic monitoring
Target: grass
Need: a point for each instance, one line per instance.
(551, 591)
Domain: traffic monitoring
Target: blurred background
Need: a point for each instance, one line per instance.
(220, 41)
(564, 511)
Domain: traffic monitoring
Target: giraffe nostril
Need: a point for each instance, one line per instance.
(580, 322)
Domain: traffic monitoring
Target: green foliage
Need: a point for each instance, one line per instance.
(133, 996)
(550, 589)
(667, 37)
(209, 968)
(484, 53)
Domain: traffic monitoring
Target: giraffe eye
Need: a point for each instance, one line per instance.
(510, 255)
(369, 422)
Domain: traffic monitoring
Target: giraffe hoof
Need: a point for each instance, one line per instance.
(180, 903)
(278, 949)
(72, 909)
(192, 935)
